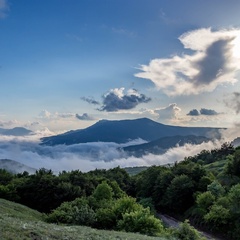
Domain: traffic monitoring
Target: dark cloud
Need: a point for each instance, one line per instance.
(194, 112)
(203, 111)
(116, 99)
(214, 63)
(84, 117)
(90, 100)
(209, 112)
(234, 102)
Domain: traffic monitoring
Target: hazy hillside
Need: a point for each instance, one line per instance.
(163, 144)
(122, 131)
(17, 131)
(15, 167)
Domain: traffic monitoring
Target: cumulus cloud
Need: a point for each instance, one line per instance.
(214, 61)
(3, 8)
(203, 111)
(116, 99)
(209, 112)
(90, 100)
(88, 156)
(170, 112)
(234, 102)
(193, 112)
(84, 117)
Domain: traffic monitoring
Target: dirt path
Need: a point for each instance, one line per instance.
(172, 222)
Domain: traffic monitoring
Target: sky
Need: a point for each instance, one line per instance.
(66, 64)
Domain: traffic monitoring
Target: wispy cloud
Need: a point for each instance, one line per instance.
(117, 99)
(122, 31)
(90, 100)
(44, 114)
(4, 8)
(214, 61)
(233, 102)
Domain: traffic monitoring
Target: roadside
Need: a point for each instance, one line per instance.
(174, 223)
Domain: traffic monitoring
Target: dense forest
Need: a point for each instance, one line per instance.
(205, 189)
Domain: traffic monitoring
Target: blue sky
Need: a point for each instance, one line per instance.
(66, 64)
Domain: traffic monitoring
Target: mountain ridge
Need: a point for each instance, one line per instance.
(122, 131)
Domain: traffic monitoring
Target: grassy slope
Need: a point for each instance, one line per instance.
(18, 222)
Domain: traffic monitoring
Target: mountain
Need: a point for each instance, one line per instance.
(17, 131)
(15, 167)
(161, 145)
(122, 131)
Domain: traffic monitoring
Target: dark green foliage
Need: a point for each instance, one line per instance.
(233, 165)
(5, 177)
(179, 194)
(44, 191)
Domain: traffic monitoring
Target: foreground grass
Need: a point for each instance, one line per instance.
(18, 222)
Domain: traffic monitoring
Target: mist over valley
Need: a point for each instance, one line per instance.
(139, 142)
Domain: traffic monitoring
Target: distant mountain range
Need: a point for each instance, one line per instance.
(17, 131)
(122, 131)
(15, 167)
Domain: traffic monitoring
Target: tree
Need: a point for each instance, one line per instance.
(205, 200)
(216, 189)
(103, 192)
(179, 194)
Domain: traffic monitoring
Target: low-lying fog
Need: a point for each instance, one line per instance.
(88, 156)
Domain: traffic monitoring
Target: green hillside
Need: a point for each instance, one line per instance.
(18, 222)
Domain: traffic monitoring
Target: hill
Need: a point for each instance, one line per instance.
(161, 145)
(17, 131)
(122, 131)
(19, 222)
(15, 167)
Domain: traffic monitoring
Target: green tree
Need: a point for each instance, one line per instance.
(216, 189)
(103, 192)
(218, 216)
(179, 194)
(205, 200)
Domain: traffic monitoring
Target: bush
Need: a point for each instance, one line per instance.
(141, 221)
(75, 212)
(187, 232)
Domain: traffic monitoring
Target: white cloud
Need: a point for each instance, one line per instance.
(167, 113)
(3, 8)
(214, 61)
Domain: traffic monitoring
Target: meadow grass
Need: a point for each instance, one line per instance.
(18, 222)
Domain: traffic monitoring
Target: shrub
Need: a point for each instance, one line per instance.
(187, 232)
(75, 212)
(141, 221)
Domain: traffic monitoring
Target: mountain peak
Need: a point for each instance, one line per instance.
(122, 131)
